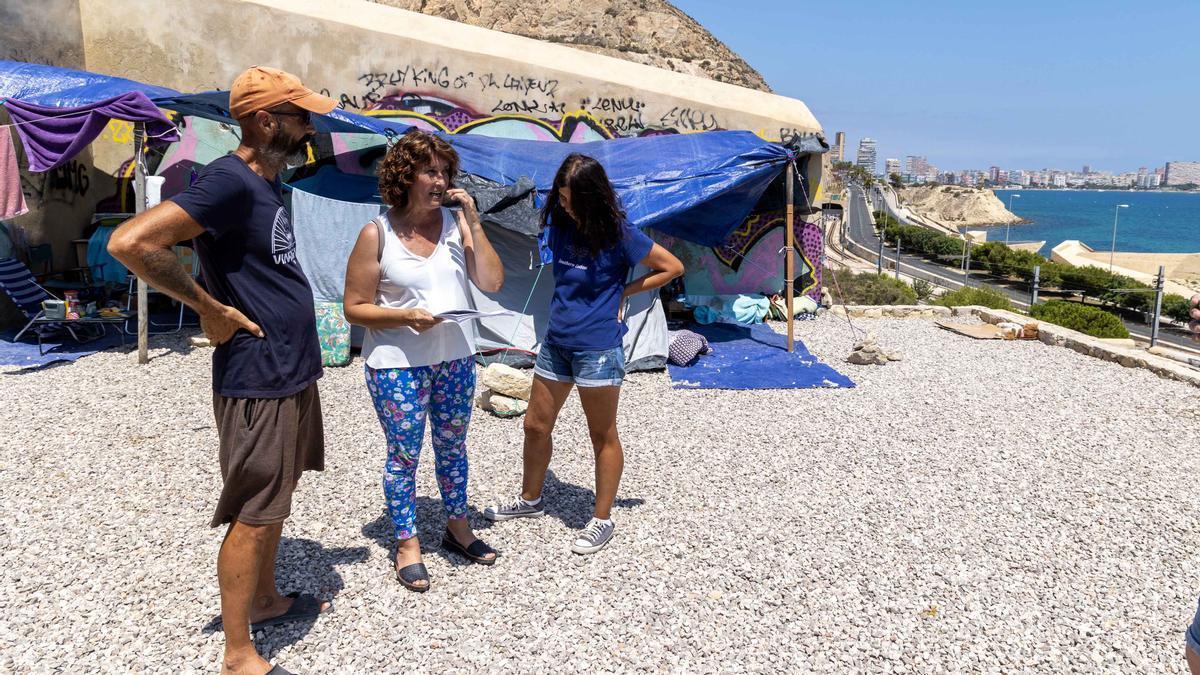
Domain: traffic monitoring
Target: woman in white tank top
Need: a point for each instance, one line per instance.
(409, 264)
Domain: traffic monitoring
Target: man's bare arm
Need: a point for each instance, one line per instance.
(143, 243)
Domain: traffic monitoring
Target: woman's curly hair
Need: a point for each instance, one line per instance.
(414, 151)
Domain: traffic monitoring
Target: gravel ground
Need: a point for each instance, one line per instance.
(982, 506)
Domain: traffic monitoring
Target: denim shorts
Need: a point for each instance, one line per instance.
(583, 367)
(1193, 633)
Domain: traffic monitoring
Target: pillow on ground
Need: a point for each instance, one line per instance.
(685, 347)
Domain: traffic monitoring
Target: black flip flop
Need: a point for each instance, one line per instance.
(304, 606)
(279, 670)
(475, 552)
(410, 574)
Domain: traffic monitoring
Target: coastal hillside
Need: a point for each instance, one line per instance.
(955, 205)
(651, 32)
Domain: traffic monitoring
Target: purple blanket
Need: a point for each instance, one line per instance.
(53, 136)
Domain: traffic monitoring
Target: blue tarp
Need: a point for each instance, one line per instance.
(753, 357)
(66, 88)
(698, 187)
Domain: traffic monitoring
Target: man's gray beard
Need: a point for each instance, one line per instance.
(277, 153)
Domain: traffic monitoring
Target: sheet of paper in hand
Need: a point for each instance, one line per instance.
(468, 314)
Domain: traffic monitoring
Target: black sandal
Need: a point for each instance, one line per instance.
(304, 607)
(475, 552)
(409, 575)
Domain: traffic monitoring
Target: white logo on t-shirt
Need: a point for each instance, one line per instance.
(283, 242)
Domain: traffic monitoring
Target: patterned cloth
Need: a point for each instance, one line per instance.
(333, 334)
(404, 398)
(686, 346)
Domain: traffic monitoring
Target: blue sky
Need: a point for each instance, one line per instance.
(1049, 84)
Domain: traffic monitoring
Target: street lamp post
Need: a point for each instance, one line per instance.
(1009, 225)
(1113, 251)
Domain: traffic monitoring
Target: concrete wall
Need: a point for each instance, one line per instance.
(357, 51)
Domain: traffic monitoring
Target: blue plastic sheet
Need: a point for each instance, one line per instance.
(698, 187)
(754, 357)
(66, 88)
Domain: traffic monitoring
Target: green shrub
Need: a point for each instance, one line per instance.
(1083, 318)
(923, 290)
(868, 289)
(1176, 307)
(986, 297)
(921, 240)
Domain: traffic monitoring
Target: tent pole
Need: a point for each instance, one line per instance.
(790, 261)
(139, 191)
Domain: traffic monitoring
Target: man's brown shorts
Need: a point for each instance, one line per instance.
(266, 443)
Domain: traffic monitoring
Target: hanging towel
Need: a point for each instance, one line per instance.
(53, 136)
(12, 201)
(326, 230)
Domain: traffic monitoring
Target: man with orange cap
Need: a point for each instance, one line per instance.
(257, 309)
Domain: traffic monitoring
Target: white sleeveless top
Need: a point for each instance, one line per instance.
(436, 284)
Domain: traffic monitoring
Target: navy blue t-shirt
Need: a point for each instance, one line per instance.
(588, 289)
(248, 258)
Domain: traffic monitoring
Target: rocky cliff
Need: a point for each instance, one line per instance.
(955, 205)
(652, 32)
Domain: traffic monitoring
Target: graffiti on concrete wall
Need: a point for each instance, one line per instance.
(751, 259)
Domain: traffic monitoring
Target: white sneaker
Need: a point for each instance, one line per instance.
(517, 508)
(594, 537)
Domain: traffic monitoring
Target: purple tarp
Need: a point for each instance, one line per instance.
(53, 136)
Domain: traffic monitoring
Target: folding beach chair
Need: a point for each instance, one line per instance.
(18, 282)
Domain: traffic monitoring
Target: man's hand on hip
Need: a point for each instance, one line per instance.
(220, 326)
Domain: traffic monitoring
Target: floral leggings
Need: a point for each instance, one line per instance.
(404, 398)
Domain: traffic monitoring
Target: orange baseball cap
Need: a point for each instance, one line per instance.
(262, 88)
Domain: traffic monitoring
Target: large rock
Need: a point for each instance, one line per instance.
(499, 405)
(507, 381)
(651, 32)
(958, 205)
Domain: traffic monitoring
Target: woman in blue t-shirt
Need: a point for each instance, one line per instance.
(594, 250)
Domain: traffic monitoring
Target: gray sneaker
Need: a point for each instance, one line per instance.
(594, 537)
(517, 508)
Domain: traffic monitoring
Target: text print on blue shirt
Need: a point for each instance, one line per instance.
(283, 242)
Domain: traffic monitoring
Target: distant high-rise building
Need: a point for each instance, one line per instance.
(915, 165)
(891, 166)
(866, 155)
(1153, 181)
(1182, 173)
(1087, 168)
(1014, 177)
(994, 174)
(838, 151)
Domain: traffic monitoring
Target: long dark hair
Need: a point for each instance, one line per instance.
(597, 225)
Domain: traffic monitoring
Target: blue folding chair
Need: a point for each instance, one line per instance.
(18, 282)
